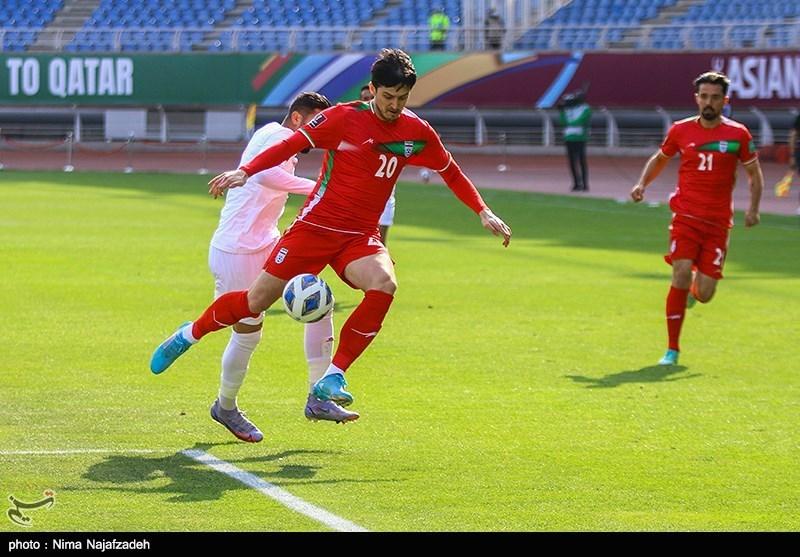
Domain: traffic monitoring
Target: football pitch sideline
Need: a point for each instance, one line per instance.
(509, 389)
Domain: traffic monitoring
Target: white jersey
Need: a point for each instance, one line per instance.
(248, 221)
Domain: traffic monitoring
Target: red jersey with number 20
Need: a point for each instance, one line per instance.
(707, 174)
(364, 158)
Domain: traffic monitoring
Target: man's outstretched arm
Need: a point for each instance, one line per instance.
(268, 158)
(651, 170)
(463, 188)
(756, 178)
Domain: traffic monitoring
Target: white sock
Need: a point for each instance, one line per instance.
(333, 369)
(235, 361)
(318, 341)
(186, 333)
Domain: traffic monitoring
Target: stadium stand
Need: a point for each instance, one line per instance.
(27, 15)
(366, 25)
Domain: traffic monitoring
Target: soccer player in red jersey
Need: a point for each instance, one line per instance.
(368, 144)
(702, 204)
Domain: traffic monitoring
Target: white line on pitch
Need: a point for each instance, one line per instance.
(80, 451)
(274, 492)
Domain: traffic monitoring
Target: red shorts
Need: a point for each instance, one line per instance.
(306, 248)
(704, 243)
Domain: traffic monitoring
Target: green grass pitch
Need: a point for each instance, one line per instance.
(510, 389)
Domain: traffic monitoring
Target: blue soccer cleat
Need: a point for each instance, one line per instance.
(331, 387)
(670, 358)
(169, 350)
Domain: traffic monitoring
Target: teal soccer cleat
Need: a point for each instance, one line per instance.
(331, 387)
(169, 350)
(670, 358)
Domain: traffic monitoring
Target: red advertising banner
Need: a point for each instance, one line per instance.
(760, 79)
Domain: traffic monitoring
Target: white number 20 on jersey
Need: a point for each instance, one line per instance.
(388, 166)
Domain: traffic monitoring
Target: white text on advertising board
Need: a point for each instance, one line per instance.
(761, 77)
(71, 77)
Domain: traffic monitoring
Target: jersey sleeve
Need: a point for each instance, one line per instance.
(276, 154)
(326, 129)
(433, 155)
(670, 146)
(748, 152)
(277, 178)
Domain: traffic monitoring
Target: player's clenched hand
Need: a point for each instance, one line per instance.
(495, 225)
(226, 180)
(751, 219)
(637, 193)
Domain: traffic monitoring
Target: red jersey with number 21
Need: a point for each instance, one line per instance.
(364, 158)
(707, 175)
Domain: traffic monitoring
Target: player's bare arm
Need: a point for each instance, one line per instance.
(756, 177)
(652, 168)
(495, 225)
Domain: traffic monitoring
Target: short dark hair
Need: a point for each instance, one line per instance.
(714, 78)
(392, 68)
(308, 102)
(365, 88)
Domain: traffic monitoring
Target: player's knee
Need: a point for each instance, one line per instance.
(385, 283)
(682, 279)
(704, 295)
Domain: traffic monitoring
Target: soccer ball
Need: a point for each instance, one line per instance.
(307, 298)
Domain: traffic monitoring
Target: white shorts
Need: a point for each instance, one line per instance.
(387, 218)
(237, 271)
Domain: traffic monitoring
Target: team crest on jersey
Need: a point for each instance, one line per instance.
(403, 148)
(723, 146)
(317, 121)
(281, 255)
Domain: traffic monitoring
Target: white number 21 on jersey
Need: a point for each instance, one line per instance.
(388, 166)
(706, 161)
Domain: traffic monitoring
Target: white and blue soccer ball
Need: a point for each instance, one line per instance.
(307, 298)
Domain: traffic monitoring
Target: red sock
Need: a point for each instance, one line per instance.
(676, 309)
(361, 327)
(226, 310)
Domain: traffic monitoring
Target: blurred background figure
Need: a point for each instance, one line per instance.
(794, 154)
(439, 25)
(494, 29)
(575, 115)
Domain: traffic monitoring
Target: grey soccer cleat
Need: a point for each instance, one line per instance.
(235, 421)
(328, 410)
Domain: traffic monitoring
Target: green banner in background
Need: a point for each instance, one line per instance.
(117, 79)
(765, 79)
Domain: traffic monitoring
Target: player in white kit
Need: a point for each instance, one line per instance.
(247, 232)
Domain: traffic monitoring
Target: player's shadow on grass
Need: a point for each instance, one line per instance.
(188, 480)
(649, 374)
